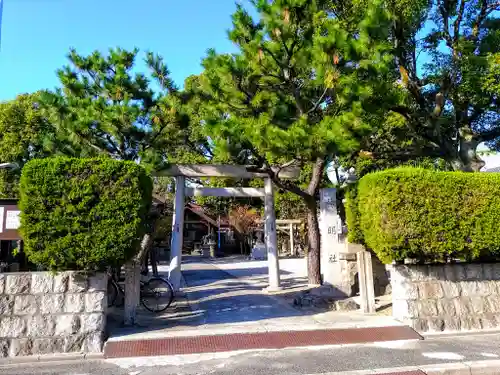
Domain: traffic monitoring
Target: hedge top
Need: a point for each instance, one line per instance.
(83, 214)
(430, 216)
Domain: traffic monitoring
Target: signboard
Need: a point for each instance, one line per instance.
(12, 220)
(1, 219)
(9, 220)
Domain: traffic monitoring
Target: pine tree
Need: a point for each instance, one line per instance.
(297, 91)
(110, 110)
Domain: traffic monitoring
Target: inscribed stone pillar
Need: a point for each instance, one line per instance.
(338, 268)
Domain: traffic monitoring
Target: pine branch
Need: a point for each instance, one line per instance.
(296, 96)
(317, 175)
(478, 112)
(458, 21)
(445, 13)
(319, 102)
(489, 135)
(483, 13)
(278, 62)
(402, 110)
(273, 175)
(288, 186)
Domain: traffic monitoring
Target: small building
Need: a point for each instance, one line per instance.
(198, 224)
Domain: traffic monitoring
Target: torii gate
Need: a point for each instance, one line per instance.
(181, 171)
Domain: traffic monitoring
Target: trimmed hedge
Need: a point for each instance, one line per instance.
(430, 216)
(83, 214)
(354, 233)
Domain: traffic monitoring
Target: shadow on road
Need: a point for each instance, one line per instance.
(216, 297)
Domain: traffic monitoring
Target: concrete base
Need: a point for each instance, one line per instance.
(314, 285)
(329, 291)
(271, 289)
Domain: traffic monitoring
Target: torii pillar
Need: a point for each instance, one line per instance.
(177, 239)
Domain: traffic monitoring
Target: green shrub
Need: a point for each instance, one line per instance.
(83, 214)
(430, 216)
(354, 234)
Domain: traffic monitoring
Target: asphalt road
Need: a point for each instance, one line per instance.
(83, 367)
(289, 362)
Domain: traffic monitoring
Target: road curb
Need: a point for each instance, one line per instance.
(184, 345)
(62, 357)
(486, 367)
(468, 333)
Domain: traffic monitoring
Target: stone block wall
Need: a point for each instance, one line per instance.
(44, 313)
(451, 297)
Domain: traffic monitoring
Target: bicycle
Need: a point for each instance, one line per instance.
(152, 292)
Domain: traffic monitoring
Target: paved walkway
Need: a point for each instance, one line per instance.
(225, 296)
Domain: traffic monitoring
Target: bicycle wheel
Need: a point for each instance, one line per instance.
(157, 294)
(112, 293)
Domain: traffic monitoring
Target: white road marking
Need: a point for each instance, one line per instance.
(490, 355)
(396, 344)
(444, 355)
(172, 360)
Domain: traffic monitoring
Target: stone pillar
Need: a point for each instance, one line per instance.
(292, 243)
(338, 266)
(132, 292)
(365, 276)
(177, 234)
(271, 237)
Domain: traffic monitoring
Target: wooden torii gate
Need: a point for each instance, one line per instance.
(181, 171)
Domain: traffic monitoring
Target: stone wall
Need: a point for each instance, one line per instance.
(43, 313)
(452, 297)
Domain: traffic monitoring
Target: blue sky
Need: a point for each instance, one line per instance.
(37, 34)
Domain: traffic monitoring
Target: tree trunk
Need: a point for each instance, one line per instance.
(313, 244)
(313, 235)
(132, 280)
(469, 157)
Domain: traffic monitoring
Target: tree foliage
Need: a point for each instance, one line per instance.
(24, 134)
(114, 112)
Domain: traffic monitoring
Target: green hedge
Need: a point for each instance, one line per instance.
(430, 216)
(354, 234)
(83, 214)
